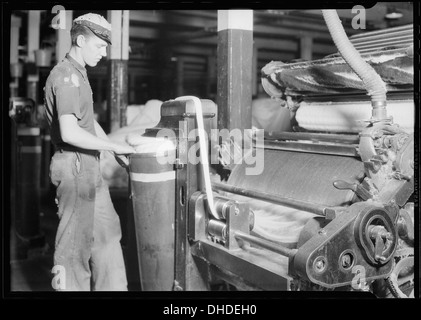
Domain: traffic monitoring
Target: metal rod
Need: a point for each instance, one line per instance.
(340, 98)
(408, 27)
(391, 40)
(341, 150)
(339, 138)
(266, 244)
(381, 44)
(288, 202)
(384, 37)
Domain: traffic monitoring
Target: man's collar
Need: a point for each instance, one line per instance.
(77, 65)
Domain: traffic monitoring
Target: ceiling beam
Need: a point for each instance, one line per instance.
(194, 19)
(170, 18)
(287, 22)
(144, 32)
(191, 49)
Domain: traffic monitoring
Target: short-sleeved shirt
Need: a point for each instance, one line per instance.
(67, 91)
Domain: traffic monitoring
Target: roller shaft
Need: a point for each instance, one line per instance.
(296, 204)
(266, 244)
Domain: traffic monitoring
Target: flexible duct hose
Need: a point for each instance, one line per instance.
(376, 88)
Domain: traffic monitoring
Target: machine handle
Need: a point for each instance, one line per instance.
(343, 185)
(203, 152)
(359, 190)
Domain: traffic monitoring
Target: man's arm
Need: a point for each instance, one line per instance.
(121, 159)
(74, 135)
(99, 131)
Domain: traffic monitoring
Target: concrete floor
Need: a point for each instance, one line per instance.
(31, 264)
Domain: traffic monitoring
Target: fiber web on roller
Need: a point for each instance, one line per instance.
(299, 176)
(302, 176)
(350, 116)
(278, 224)
(275, 222)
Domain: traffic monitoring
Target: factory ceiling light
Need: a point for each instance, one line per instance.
(393, 14)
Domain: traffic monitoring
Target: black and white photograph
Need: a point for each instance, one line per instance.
(182, 150)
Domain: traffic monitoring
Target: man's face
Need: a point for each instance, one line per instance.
(93, 50)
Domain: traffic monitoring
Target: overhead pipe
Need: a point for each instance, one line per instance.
(376, 88)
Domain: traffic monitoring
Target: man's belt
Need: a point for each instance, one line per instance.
(70, 148)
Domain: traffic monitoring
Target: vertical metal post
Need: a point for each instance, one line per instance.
(15, 25)
(306, 48)
(117, 94)
(211, 68)
(235, 52)
(63, 37)
(186, 181)
(180, 76)
(34, 22)
(15, 67)
(255, 78)
(118, 75)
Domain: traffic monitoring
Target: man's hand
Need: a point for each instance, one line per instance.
(123, 149)
(120, 153)
(122, 161)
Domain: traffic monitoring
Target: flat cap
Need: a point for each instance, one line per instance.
(97, 24)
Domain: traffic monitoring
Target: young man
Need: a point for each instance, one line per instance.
(87, 246)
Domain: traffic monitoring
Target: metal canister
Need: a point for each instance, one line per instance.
(152, 179)
(27, 220)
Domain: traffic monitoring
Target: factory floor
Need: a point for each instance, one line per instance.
(31, 262)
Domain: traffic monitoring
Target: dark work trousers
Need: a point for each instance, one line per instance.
(87, 245)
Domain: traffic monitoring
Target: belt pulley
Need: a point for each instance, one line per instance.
(375, 232)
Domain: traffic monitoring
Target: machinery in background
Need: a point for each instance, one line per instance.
(26, 151)
(22, 111)
(347, 193)
(326, 97)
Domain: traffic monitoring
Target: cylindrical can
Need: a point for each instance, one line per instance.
(28, 182)
(152, 180)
